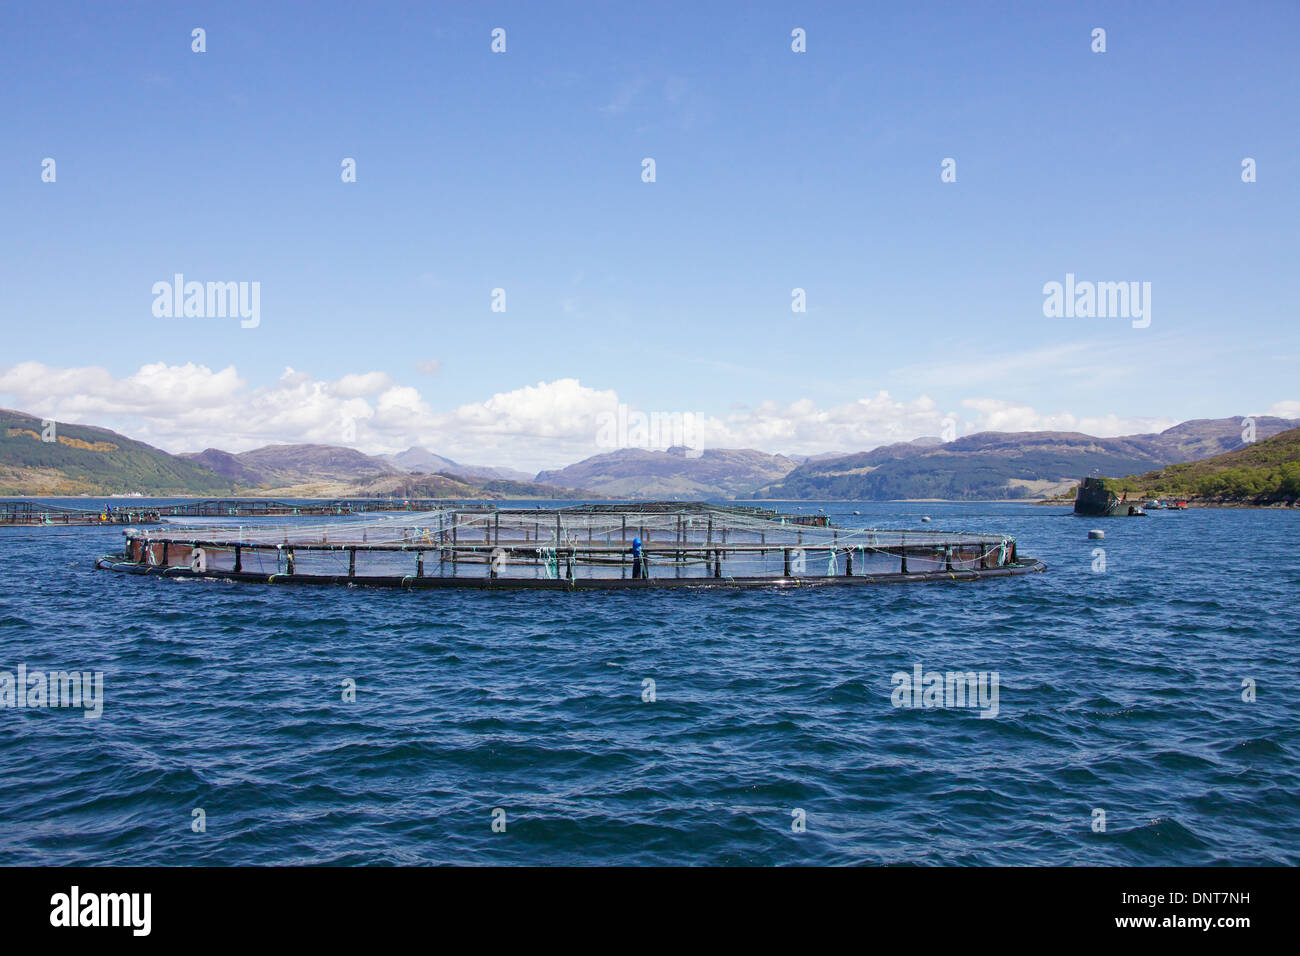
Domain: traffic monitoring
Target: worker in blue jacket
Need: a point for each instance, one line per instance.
(638, 563)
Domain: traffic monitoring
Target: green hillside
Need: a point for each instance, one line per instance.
(87, 460)
(447, 485)
(981, 466)
(532, 489)
(1265, 472)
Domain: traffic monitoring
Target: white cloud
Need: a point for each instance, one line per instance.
(1285, 409)
(355, 386)
(998, 416)
(190, 407)
(802, 428)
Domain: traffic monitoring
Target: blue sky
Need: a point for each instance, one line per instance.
(774, 170)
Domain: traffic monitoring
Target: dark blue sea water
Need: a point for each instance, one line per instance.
(1119, 691)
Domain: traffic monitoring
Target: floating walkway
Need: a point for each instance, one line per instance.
(27, 513)
(33, 514)
(605, 546)
(267, 507)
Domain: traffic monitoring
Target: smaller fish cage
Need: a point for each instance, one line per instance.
(27, 514)
(571, 548)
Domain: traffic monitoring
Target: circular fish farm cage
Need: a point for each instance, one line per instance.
(601, 546)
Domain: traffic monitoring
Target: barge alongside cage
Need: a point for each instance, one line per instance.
(571, 549)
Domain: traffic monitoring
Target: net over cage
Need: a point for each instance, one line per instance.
(659, 544)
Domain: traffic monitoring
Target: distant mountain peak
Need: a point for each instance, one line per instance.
(672, 473)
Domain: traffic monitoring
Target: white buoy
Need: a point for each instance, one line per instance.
(1096, 534)
(925, 517)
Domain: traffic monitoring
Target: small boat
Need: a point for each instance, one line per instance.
(1135, 512)
(1178, 505)
(1155, 504)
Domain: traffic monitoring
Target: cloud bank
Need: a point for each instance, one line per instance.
(191, 407)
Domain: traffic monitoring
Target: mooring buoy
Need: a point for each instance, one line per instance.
(1096, 534)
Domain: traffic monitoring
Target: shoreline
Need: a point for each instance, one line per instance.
(1211, 505)
(1064, 503)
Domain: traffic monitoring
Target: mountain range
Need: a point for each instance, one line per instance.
(636, 473)
(1263, 472)
(286, 465)
(1008, 465)
(990, 465)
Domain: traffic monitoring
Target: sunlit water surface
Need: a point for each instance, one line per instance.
(1119, 691)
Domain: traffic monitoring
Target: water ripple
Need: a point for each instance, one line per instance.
(768, 735)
